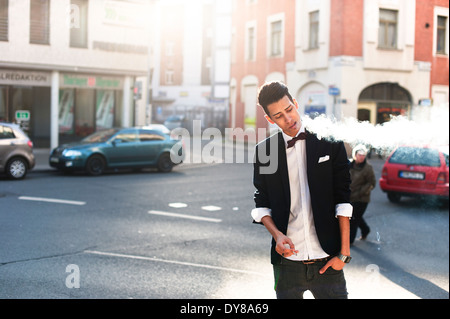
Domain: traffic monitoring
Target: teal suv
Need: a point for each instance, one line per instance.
(137, 147)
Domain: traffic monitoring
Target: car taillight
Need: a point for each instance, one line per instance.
(442, 178)
(384, 173)
(30, 144)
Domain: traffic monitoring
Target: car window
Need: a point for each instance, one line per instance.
(6, 132)
(147, 135)
(416, 156)
(100, 137)
(127, 136)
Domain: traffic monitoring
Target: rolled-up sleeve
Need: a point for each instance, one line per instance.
(344, 209)
(259, 213)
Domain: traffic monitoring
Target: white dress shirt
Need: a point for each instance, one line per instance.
(301, 229)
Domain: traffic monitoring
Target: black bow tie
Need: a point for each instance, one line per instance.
(301, 136)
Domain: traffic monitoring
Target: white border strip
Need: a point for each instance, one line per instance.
(94, 252)
(206, 219)
(53, 200)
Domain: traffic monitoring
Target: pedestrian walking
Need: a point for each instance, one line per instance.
(363, 181)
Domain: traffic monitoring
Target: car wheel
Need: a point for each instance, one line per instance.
(393, 197)
(95, 165)
(17, 168)
(165, 163)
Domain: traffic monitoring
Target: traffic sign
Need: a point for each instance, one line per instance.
(22, 115)
(332, 90)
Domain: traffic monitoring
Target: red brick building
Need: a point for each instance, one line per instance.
(344, 58)
(262, 46)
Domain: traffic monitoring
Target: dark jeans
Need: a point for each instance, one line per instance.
(293, 278)
(357, 220)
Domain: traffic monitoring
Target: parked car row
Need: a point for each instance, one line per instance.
(408, 170)
(135, 147)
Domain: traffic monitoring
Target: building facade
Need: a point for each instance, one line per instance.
(71, 65)
(367, 59)
(192, 61)
(263, 49)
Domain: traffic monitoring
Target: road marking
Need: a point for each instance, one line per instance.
(206, 219)
(177, 205)
(53, 200)
(94, 252)
(211, 208)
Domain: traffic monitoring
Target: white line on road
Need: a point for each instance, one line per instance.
(94, 252)
(206, 219)
(211, 208)
(52, 200)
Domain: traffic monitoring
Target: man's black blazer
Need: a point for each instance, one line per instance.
(328, 179)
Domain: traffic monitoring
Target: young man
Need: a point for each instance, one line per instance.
(304, 203)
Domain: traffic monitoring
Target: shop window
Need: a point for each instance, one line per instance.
(66, 111)
(84, 112)
(40, 21)
(104, 109)
(3, 106)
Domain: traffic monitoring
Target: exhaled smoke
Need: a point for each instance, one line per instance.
(426, 126)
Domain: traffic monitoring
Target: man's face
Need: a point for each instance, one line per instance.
(284, 113)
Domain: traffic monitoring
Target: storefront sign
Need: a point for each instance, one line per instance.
(125, 14)
(11, 77)
(90, 82)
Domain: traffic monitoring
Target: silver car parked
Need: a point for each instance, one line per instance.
(16, 151)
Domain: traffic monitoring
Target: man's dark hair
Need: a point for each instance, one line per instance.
(272, 92)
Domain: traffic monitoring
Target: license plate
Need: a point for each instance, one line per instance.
(412, 175)
(54, 159)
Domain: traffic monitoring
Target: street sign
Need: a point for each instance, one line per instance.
(332, 90)
(22, 115)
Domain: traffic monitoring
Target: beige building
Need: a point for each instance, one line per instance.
(71, 65)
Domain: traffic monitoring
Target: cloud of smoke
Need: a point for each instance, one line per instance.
(427, 126)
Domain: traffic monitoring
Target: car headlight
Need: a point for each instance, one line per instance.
(71, 153)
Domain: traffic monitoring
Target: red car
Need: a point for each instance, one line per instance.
(416, 171)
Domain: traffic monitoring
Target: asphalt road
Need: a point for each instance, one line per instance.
(188, 235)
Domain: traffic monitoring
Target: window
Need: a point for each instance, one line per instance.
(6, 132)
(3, 20)
(314, 30)
(170, 48)
(40, 21)
(146, 136)
(441, 34)
(169, 76)
(416, 156)
(387, 34)
(78, 23)
(251, 44)
(276, 38)
(126, 136)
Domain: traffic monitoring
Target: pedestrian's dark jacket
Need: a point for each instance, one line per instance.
(363, 181)
(329, 185)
